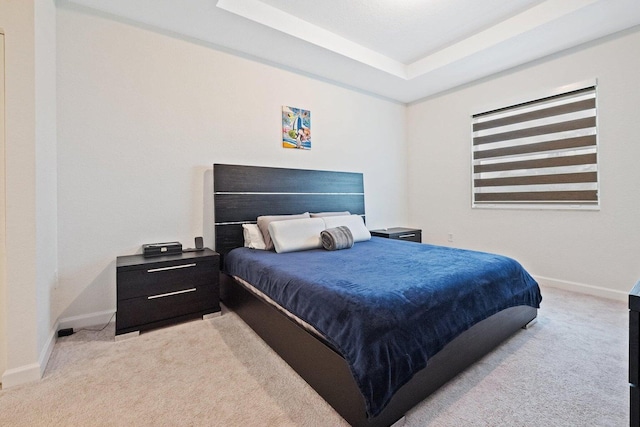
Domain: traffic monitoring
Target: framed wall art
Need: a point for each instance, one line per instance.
(296, 128)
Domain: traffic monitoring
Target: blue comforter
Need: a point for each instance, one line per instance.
(387, 305)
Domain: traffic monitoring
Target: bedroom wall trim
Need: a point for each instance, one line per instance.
(581, 288)
(87, 320)
(21, 375)
(33, 371)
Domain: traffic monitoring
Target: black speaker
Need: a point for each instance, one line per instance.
(199, 243)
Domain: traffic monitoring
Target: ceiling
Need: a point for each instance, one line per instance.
(402, 50)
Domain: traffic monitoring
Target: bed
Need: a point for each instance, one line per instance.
(336, 365)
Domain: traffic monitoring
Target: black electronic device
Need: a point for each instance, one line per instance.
(199, 246)
(65, 332)
(158, 249)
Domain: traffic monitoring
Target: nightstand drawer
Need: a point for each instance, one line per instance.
(136, 312)
(400, 233)
(413, 236)
(165, 277)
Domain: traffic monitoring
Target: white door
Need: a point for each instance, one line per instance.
(3, 301)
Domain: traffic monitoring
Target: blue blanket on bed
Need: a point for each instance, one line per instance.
(387, 305)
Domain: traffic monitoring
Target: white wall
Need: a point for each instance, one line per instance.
(594, 252)
(30, 176)
(142, 117)
(46, 171)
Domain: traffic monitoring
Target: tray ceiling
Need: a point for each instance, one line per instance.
(402, 50)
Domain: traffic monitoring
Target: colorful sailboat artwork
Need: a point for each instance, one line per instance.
(296, 128)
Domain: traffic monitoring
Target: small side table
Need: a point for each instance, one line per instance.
(158, 291)
(399, 233)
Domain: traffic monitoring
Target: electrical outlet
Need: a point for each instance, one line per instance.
(450, 237)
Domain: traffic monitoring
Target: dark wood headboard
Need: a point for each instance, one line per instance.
(242, 193)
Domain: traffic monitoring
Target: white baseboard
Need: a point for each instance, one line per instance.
(21, 375)
(87, 320)
(48, 349)
(583, 288)
(33, 371)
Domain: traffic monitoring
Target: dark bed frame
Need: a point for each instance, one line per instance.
(241, 194)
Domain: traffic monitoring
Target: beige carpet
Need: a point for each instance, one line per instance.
(570, 369)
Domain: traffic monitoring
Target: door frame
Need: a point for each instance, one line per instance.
(3, 212)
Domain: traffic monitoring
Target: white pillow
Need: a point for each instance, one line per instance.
(354, 222)
(323, 214)
(265, 220)
(253, 237)
(296, 234)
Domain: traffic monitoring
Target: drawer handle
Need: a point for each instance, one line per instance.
(406, 236)
(173, 267)
(168, 294)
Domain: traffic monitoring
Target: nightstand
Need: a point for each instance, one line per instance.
(162, 290)
(400, 233)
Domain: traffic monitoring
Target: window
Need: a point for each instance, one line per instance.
(541, 153)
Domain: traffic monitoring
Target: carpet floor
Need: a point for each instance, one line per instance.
(569, 369)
